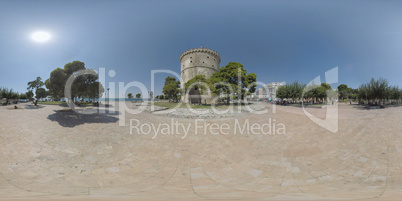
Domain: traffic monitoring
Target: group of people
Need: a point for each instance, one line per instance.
(286, 102)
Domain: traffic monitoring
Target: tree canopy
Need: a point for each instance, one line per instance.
(378, 90)
(86, 85)
(344, 91)
(29, 94)
(198, 82)
(233, 78)
(130, 95)
(8, 94)
(41, 93)
(297, 90)
(171, 88)
(36, 85)
(293, 90)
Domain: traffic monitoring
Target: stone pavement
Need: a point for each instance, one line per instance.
(55, 153)
(230, 112)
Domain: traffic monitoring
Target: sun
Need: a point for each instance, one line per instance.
(41, 36)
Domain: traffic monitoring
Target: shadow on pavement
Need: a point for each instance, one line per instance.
(69, 118)
(368, 107)
(33, 107)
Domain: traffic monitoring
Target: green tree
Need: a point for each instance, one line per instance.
(343, 91)
(249, 85)
(41, 93)
(138, 96)
(151, 94)
(23, 96)
(72, 67)
(293, 91)
(56, 83)
(86, 85)
(296, 90)
(323, 92)
(342, 87)
(94, 90)
(364, 92)
(395, 93)
(400, 94)
(379, 89)
(199, 83)
(29, 94)
(353, 93)
(35, 85)
(314, 91)
(8, 94)
(332, 94)
(171, 88)
(233, 78)
(282, 92)
(130, 96)
(250, 82)
(320, 92)
(326, 86)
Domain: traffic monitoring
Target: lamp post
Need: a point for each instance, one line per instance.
(108, 96)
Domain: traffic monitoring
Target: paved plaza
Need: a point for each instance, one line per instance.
(52, 152)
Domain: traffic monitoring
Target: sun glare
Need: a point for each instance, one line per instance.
(41, 36)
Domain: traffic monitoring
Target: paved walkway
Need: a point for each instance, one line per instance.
(52, 152)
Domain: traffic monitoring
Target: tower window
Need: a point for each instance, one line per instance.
(202, 62)
(213, 65)
(207, 56)
(191, 61)
(191, 57)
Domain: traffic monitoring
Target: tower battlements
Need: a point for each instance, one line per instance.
(195, 50)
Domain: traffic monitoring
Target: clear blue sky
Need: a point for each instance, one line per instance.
(277, 40)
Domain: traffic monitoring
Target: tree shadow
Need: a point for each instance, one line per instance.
(394, 105)
(70, 118)
(368, 107)
(63, 105)
(363, 107)
(33, 107)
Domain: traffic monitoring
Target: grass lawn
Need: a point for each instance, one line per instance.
(183, 105)
(315, 104)
(307, 105)
(319, 105)
(60, 103)
(51, 102)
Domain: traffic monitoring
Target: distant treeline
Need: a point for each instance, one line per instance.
(371, 92)
(8, 94)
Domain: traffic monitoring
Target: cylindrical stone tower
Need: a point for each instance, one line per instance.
(198, 61)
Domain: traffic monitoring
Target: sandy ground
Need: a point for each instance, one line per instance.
(52, 153)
